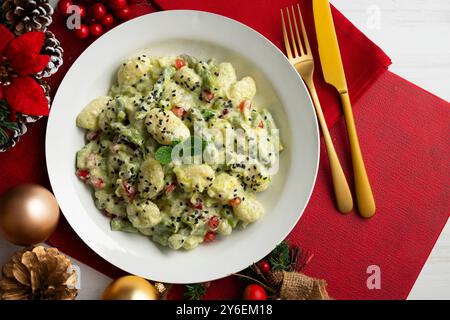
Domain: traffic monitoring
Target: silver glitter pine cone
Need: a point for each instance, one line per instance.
(23, 16)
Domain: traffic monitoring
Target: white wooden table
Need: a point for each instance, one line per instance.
(414, 33)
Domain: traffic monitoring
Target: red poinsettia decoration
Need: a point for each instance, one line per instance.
(19, 59)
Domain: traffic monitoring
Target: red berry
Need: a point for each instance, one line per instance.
(82, 11)
(123, 13)
(179, 63)
(98, 10)
(96, 29)
(107, 20)
(64, 5)
(82, 32)
(264, 266)
(209, 236)
(117, 4)
(213, 223)
(255, 292)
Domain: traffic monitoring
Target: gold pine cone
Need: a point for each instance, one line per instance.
(38, 273)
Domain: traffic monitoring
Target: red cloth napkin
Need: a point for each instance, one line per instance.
(407, 162)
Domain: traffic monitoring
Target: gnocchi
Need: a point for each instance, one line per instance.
(162, 107)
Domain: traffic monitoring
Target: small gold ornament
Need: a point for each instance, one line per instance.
(29, 214)
(130, 288)
(38, 274)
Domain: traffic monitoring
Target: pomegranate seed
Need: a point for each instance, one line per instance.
(170, 188)
(199, 204)
(209, 236)
(234, 202)
(244, 105)
(130, 190)
(213, 223)
(178, 111)
(261, 125)
(83, 174)
(225, 112)
(207, 95)
(98, 183)
(179, 63)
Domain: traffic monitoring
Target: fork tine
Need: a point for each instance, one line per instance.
(286, 37)
(305, 35)
(292, 32)
(299, 39)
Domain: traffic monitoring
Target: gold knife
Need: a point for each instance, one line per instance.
(333, 72)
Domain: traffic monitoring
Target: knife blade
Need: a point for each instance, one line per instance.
(330, 55)
(333, 73)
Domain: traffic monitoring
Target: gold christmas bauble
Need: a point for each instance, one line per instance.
(130, 288)
(29, 214)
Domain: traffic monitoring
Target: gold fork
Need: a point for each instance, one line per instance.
(303, 62)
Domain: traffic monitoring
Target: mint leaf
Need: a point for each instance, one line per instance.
(164, 155)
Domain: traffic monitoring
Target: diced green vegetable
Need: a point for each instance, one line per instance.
(203, 69)
(128, 133)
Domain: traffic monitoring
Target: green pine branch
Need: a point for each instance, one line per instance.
(195, 291)
(6, 125)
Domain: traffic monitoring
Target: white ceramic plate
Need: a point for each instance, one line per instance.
(280, 89)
